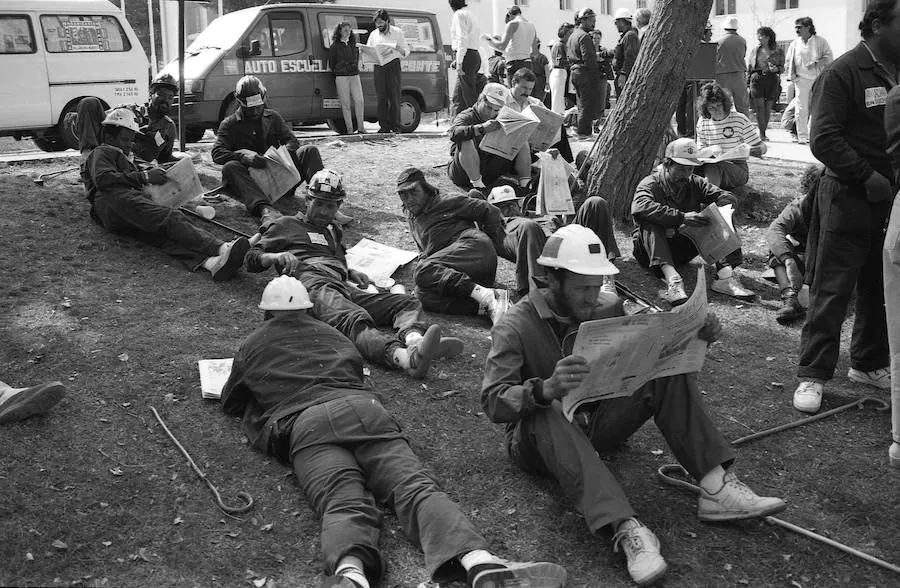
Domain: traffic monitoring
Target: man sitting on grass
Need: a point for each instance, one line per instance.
(530, 369)
(310, 247)
(298, 383)
(113, 185)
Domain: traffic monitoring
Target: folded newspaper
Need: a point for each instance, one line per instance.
(553, 193)
(213, 375)
(377, 261)
(182, 185)
(280, 175)
(515, 131)
(379, 54)
(717, 239)
(714, 153)
(624, 353)
(548, 132)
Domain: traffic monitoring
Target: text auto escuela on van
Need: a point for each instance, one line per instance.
(263, 66)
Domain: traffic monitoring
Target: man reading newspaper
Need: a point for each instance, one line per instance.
(529, 370)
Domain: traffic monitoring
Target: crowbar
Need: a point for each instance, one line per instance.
(213, 222)
(40, 179)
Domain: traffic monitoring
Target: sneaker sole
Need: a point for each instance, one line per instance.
(234, 262)
(530, 575)
(31, 402)
(742, 516)
(868, 382)
(808, 409)
(449, 347)
(430, 344)
(654, 577)
(747, 298)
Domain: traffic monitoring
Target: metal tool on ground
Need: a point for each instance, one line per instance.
(667, 475)
(44, 177)
(194, 214)
(229, 510)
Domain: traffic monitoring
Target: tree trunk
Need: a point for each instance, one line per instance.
(633, 132)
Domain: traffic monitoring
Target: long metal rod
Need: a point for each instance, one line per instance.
(194, 214)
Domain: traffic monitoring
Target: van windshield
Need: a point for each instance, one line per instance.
(223, 32)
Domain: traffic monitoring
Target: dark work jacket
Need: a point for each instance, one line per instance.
(892, 128)
(343, 58)
(655, 204)
(318, 249)
(288, 364)
(235, 133)
(109, 172)
(793, 221)
(445, 217)
(581, 52)
(157, 141)
(626, 52)
(462, 128)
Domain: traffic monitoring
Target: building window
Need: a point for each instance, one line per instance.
(728, 7)
(606, 7)
(786, 4)
(567, 4)
(640, 4)
(520, 2)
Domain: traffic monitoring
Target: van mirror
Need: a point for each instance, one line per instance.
(255, 50)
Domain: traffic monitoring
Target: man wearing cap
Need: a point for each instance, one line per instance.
(245, 135)
(670, 198)
(458, 238)
(113, 184)
(470, 166)
(585, 72)
(387, 76)
(625, 53)
(310, 247)
(517, 42)
(731, 65)
(530, 369)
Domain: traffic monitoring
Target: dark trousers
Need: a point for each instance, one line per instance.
(589, 97)
(513, 66)
(843, 254)
(523, 245)
(349, 457)
(90, 115)
(652, 248)
(387, 88)
(237, 180)
(466, 92)
(356, 313)
(685, 117)
(594, 214)
(133, 214)
(445, 279)
(548, 444)
(491, 167)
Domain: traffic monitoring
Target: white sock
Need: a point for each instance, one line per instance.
(481, 294)
(669, 272)
(477, 557)
(714, 480)
(401, 357)
(478, 183)
(210, 262)
(351, 567)
(725, 272)
(523, 182)
(412, 338)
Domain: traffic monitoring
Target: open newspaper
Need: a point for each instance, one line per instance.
(280, 175)
(714, 153)
(379, 54)
(624, 353)
(377, 261)
(548, 130)
(182, 184)
(717, 239)
(553, 194)
(213, 375)
(515, 131)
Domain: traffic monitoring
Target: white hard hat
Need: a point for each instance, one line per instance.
(623, 13)
(683, 151)
(122, 117)
(502, 194)
(579, 250)
(731, 23)
(327, 185)
(285, 293)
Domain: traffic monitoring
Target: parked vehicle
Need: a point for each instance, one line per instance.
(286, 46)
(54, 53)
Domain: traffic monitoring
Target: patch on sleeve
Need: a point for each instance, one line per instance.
(317, 239)
(876, 96)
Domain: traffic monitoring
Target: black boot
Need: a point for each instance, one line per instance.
(790, 308)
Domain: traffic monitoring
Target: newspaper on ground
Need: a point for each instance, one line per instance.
(182, 185)
(548, 132)
(714, 153)
(515, 131)
(624, 353)
(280, 175)
(553, 194)
(717, 239)
(379, 54)
(376, 260)
(213, 375)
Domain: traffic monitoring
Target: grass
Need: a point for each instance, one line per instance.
(123, 327)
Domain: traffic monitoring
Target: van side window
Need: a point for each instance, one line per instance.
(70, 33)
(263, 34)
(16, 35)
(418, 33)
(328, 22)
(289, 35)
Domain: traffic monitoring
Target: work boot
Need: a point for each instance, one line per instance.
(880, 378)
(675, 294)
(808, 396)
(495, 306)
(790, 307)
(735, 501)
(423, 351)
(509, 574)
(226, 264)
(730, 286)
(17, 404)
(641, 547)
(449, 347)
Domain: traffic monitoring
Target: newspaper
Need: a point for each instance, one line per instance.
(717, 239)
(213, 375)
(624, 353)
(548, 131)
(182, 184)
(553, 194)
(714, 153)
(377, 261)
(379, 54)
(280, 175)
(515, 130)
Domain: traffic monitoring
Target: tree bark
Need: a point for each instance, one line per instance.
(631, 137)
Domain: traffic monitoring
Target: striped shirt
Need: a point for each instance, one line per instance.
(728, 133)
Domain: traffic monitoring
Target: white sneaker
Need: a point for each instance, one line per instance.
(226, 265)
(808, 397)
(735, 501)
(641, 547)
(675, 294)
(732, 287)
(495, 306)
(880, 378)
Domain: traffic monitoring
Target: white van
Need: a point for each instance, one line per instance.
(53, 53)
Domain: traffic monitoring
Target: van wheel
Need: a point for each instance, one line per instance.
(194, 134)
(67, 123)
(50, 143)
(410, 113)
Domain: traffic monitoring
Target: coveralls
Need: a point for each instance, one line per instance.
(791, 226)
(113, 186)
(298, 383)
(658, 211)
(323, 270)
(235, 134)
(625, 55)
(586, 78)
(846, 233)
(527, 343)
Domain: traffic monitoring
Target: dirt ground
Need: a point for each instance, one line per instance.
(94, 494)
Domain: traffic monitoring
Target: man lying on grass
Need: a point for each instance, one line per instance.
(298, 383)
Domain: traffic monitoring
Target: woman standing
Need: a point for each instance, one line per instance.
(807, 57)
(344, 61)
(560, 73)
(765, 65)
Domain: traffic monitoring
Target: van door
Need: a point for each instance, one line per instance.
(284, 63)
(327, 99)
(25, 95)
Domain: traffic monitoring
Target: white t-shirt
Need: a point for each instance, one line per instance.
(394, 36)
(728, 133)
(463, 31)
